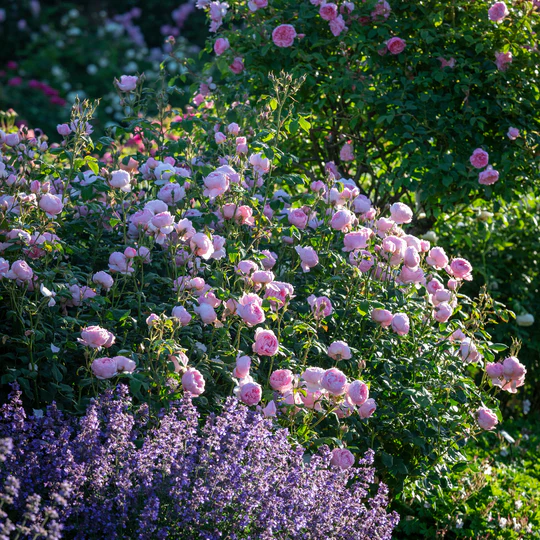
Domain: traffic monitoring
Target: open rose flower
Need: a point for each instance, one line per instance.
(395, 45)
(283, 35)
(193, 382)
(266, 343)
(342, 458)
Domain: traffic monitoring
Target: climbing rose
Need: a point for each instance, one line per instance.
(283, 35)
(497, 12)
(486, 418)
(395, 45)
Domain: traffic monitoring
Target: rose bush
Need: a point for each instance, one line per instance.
(172, 293)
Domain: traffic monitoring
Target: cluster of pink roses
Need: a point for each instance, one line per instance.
(508, 374)
(480, 159)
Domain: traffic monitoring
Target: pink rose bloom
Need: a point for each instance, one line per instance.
(447, 63)
(334, 381)
(358, 392)
(461, 269)
(243, 365)
(488, 177)
(513, 133)
(497, 12)
(233, 128)
(400, 324)
(279, 293)
(250, 309)
(171, 193)
(367, 408)
(411, 257)
(266, 343)
(20, 270)
(270, 259)
(246, 268)
(479, 158)
(127, 83)
(96, 337)
(193, 382)
(124, 364)
(254, 5)
(63, 129)
(241, 145)
(298, 218)
(220, 138)
(339, 350)
(442, 312)
(181, 314)
(363, 259)
(320, 306)
(401, 213)
(342, 220)
(104, 368)
(503, 60)
(260, 164)
(457, 335)
(103, 279)
(357, 240)
(262, 277)
(312, 400)
(313, 377)
(118, 262)
(442, 295)
(270, 409)
(328, 12)
(120, 180)
(361, 204)
(308, 257)
(513, 368)
(395, 45)
(216, 184)
(282, 380)
(342, 458)
(51, 204)
(201, 245)
(221, 45)
(411, 275)
(250, 393)
(494, 370)
(383, 225)
(468, 351)
(206, 312)
(486, 418)
(437, 258)
(337, 26)
(152, 319)
(346, 152)
(382, 316)
(283, 35)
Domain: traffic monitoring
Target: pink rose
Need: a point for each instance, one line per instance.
(479, 158)
(361, 204)
(468, 351)
(437, 258)
(171, 193)
(63, 129)
(193, 382)
(283, 35)
(282, 380)
(313, 376)
(298, 218)
(221, 45)
(51, 204)
(103, 279)
(320, 306)
(243, 365)
(401, 213)
(342, 220)
(118, 262)
(357, 240)
(400, 324)
(262, 277)
(250, 393)
(328, 11)
(513, 133)
(278, 294)
(124, 364)
(382, 316)
(120, 180)
(181, 314)
(266, 343)
(270, 409)
(503, 60)
(269, 260)
(206, 312)
(20, 270)
(308, 257)
(104, 368)
(411, 258)
(486, 418)
(461, 269)
(96, 337)
(249, 308)
(346, 152)
(220, 138)
(488, 177)
(395, 45)
(334, 381)
(201, 245)
(442, 312)
(367, 408)
(513, 368)
(337, 26)
(342, 458)
(339, 350)
(254, 5)
(127, 83)
(494, 370)
(358, 392)
(216, 184)
(497, 12)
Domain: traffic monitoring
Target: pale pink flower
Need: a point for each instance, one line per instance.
(367, 408)
(283, 35)
(328, 12)
(270, 409)
(357, 240)
(395, 45)
(124, 364)
(52, 205)
(96, 337)
(201, 245)
(342, 458)
(249, 308)
(339, 350)
(266, 343)
(486, 418)
(401, 213)
(358, 392)
(342, 220)
(337, 25)
(308, 257)
(298, 218)
(461, 269)
(400, 324)
(488, 177)
(503, 60)
(346, 153)
(497, 12)
(320, 306)
(250, 393)
(193, 382)
(181, 315)
(312, 377)
(282, 380)
(437, 258)
(103, 279)
(104, 368)
(334, 381)
(127, 83)
(513, 133)
(243, 365)
(479, 158)
(221, 45)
